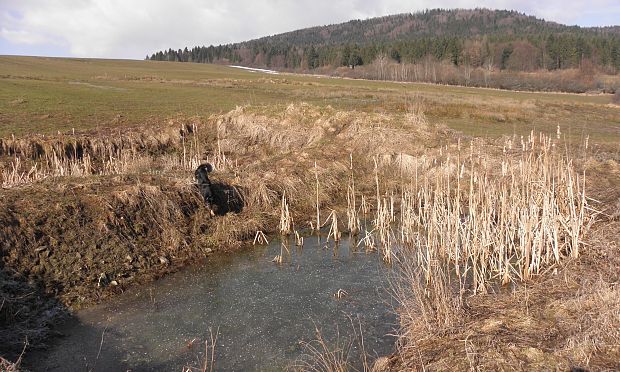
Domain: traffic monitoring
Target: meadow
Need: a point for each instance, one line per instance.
(46, 95)
(498, 210)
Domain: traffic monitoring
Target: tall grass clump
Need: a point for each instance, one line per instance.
(616, 97)
(334, 231)
(341, 354)
(505, 219)
(474, 222)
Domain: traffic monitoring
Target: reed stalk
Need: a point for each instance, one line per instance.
(353, 221)
(334, 232)
(318, 210)
(503, 225)
(260, 238)
(286, 220)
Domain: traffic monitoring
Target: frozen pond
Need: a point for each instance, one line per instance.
(261, 311)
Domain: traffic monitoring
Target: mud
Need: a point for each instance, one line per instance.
(82, 242)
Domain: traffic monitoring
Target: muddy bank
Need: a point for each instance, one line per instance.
(65, 245)
(82, 241)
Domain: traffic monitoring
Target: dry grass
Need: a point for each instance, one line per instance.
(337, 355)
(473, 223)
(426, 306)
(260, 238)
(334, 232)
(616, 97)
(567, 319)
(7, 366)
(286, 221)
(208, 363)
(505, 219)
(453, 219)
(353, 218)
(596, 335)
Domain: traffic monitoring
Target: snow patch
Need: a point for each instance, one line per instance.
(256, 69)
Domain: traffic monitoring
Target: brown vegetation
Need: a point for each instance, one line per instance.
(88, 214)
(339, 355)
(616, 98)
(477, 227)
(432, 71)
(564, 317)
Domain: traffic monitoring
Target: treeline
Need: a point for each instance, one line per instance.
(495, 40)
(518, 54)
(211, 54)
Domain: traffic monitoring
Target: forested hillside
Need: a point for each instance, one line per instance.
(451, 46)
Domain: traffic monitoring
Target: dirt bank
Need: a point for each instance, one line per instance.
(69, 244)
(83, 240)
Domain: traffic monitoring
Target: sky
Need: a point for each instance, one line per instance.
(134, 28)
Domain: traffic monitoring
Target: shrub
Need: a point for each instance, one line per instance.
(616, 97)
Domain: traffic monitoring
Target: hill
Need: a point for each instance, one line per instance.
(459, 23)
(466, 39)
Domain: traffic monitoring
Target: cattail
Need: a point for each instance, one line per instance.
(286, 221)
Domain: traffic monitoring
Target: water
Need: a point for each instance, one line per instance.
(259, 310)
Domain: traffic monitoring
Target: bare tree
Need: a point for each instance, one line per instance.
(467, 69)
(381, 62)
(488, 68)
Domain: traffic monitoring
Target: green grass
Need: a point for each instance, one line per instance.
(45, 95)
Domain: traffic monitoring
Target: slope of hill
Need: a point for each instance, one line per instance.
(460, 39)
(460, 23)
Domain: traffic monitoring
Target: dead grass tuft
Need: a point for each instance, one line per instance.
(595, 339)
(616, 97)
(337, 355)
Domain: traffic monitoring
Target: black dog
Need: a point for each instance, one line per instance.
(204, 184)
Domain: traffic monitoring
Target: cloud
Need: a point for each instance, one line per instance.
(131, 29)
(24, 37)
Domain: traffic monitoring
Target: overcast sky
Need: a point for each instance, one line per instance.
(134, 28)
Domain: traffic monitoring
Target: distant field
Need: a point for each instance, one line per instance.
(45, 95)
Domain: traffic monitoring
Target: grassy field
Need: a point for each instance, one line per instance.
(45, 95)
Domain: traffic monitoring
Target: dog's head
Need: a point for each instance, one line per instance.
(206, 167)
